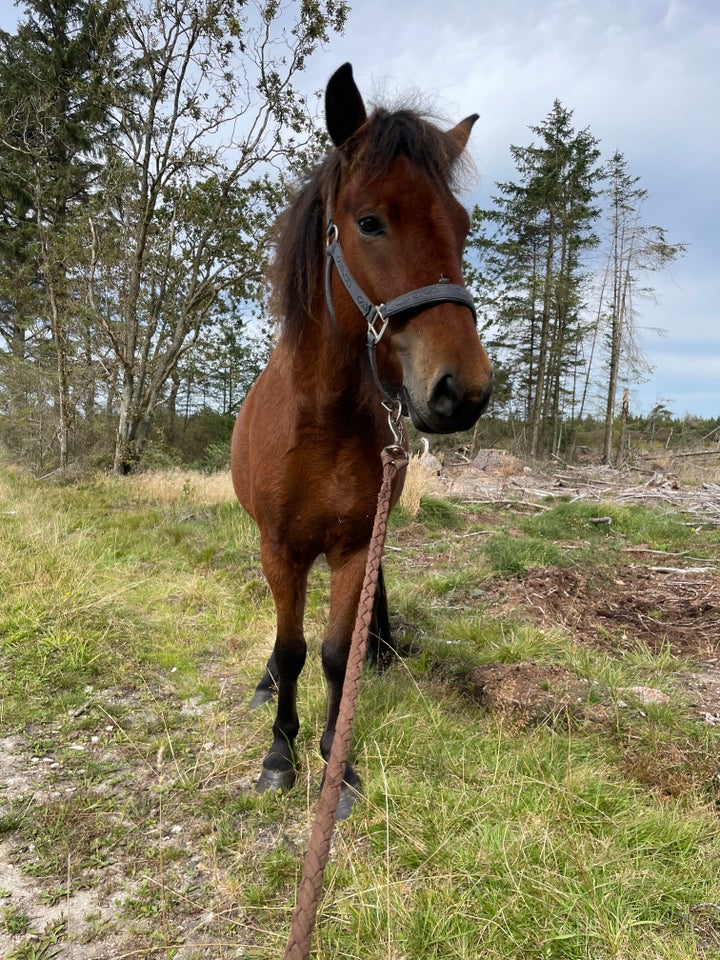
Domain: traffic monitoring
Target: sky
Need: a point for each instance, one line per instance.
(642, 75)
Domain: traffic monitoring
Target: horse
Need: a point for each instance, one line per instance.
(375, 325)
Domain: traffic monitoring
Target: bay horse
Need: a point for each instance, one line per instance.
(373, 330)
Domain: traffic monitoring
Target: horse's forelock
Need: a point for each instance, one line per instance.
(386, 135)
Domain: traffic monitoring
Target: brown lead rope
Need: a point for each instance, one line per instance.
(394, 459)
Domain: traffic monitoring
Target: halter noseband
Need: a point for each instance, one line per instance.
(379, 315)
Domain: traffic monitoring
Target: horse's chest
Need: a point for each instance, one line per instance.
(343, 516)
(331, 508)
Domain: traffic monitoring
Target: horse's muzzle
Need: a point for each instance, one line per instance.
(450, 408)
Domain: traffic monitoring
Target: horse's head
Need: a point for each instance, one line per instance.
(400, 230)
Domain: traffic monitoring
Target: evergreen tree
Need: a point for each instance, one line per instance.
(537, 236)
(53, 111)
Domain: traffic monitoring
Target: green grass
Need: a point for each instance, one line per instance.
(134, 622)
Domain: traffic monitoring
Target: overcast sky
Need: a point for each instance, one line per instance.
(642, 75)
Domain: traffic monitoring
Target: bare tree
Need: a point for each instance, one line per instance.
(191, 185)
(634, 249)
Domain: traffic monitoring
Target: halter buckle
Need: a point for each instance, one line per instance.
(374, 334)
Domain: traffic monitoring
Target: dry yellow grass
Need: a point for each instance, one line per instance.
(176, 485)
(692, 467)
(420, 482)
(414, 488)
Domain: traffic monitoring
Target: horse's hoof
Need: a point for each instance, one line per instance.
(348, 797)
(260, 697)
(275, 780)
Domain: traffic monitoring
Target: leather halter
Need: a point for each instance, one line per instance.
(379, 315)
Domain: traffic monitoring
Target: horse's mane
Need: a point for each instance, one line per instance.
(297, 269)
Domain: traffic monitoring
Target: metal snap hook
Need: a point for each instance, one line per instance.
(394, 412)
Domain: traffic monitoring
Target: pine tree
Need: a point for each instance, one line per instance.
(53, 110)
(544, 224)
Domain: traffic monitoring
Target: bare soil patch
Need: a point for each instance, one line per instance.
(661, 601)
(677, 610)
(531, 692)
(617, 611)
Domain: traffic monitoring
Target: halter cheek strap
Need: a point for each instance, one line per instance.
(379, 315)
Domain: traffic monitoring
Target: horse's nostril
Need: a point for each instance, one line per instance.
(445, 396)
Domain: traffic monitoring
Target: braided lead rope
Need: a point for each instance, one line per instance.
(394, 459)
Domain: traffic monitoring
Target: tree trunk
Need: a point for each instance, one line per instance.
(616, 330)
(171, 405)
(125, 435)
(542, 358)
(60, 340)
(623, 428)
(612, 389)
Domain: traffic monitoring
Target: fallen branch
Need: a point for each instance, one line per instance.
(667, 553)
(698, 453)
(509, 503)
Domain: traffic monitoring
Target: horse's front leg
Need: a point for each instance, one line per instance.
(346, 585)
(381, 647)
(288, 583)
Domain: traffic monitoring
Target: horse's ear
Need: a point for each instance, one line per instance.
(459, 134)
(344, 107)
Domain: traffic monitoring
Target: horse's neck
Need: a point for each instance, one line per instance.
(331, 381)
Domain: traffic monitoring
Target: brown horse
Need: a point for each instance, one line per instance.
(378, 328)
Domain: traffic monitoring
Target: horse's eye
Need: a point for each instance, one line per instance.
(370, 226)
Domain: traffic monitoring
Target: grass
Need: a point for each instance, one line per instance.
(134, 622)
